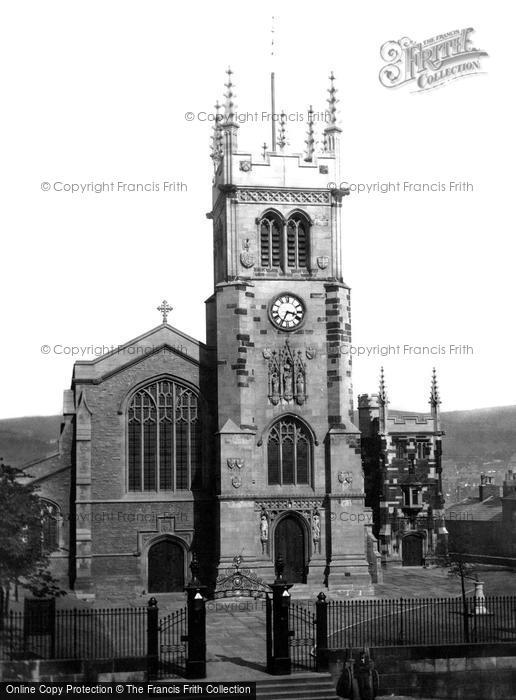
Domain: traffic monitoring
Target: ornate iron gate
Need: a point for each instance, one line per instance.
(173, 641)
(302, 638)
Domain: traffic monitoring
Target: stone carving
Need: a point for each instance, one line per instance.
(284, 196)
(287, 374)
(323, 261)
(316, 530)
(346, 479)
(316, 526)
(236, 482)
(246, 165)
(264, 527)
(310, 353)
(247, 259)
(353, 441)
(234, 462)
(281, 504)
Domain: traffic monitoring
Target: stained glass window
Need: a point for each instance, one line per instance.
(163, 438)
(288, 453)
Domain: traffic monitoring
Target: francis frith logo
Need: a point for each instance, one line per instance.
(431, 63)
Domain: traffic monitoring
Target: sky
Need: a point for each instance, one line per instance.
(98, 92)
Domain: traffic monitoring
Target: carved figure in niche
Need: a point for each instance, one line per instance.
(287, 381)
(300, 388)
(275, 395)
(316, 526)
(264, 527)
(287, 374)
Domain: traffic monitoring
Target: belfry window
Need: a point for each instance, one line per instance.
(297, 240)
(289, 453)
(270, 241)
(284, 245)
(164, 438)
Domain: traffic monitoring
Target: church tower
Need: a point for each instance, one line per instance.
(290, 480)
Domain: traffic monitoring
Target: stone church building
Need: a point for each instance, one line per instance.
(243, 448)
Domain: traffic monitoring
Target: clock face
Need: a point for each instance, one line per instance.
(287, 312)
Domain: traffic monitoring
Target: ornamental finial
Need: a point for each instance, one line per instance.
(164, 309)
(229, 103)
(282, 140)
(332, 102)
(216, 137)
(383, 391)
(310, 139)
(435, 399)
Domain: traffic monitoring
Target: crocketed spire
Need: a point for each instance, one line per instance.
(310, 138)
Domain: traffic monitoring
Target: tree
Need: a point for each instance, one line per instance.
(463, 570)
(23, 558)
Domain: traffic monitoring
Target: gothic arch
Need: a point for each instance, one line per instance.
(304, 527)
(162, 424)
(163, 376)
(164, 538)
(289, 453)
(287, 414)
(51, 518)
(272, 212)
(299, 212)
(271, 234)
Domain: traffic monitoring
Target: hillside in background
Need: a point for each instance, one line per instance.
(479, 434)
(25, 439)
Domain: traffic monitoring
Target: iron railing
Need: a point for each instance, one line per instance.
(421, 621)
(302, 639)
(107, 633)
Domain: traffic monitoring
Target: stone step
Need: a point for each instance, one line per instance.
(306, 687)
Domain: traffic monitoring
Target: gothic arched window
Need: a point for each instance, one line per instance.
(289, 453)
(49, 526)
(164, 438)
(297, 241)
(270, 240)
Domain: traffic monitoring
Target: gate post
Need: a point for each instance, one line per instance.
(196, 636)
(321, 639)
(280, 662)
(152, 638)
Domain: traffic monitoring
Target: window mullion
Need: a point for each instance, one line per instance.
(142, 450)
(280, 451)
(173, 446)
(158, 436)
(294, 451)
(284, 247)
(189, 445)
(271, 254)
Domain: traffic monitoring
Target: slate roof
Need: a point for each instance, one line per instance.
(473, 509)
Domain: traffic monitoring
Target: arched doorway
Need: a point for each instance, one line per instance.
(289, 542)
(412, 550)
(166, 567)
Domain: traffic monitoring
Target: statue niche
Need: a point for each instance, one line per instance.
(287, 375)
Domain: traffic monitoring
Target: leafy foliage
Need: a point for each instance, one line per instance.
(22, 556)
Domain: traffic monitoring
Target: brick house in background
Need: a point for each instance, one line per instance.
(485, 527)
(402, 468)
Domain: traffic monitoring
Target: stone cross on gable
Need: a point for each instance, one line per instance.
(164, 309)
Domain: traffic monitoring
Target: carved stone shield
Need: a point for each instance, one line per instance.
(323, 261)
(247, 259)
(345, 478)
